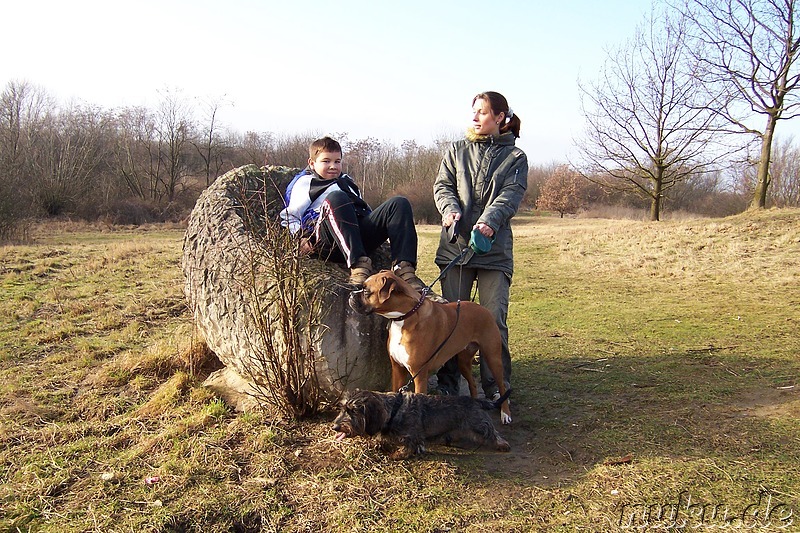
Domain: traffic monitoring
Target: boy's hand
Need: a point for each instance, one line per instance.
(305, 246)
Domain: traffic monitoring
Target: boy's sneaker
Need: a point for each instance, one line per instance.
(360, 271)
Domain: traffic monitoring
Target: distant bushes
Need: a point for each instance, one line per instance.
(135, 165)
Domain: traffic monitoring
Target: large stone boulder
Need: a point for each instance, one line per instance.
(225, 227)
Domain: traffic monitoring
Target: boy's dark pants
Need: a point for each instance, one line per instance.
(344, 236)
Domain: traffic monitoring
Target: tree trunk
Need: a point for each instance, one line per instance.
(762, 183)
(655, 204)
(655, 208)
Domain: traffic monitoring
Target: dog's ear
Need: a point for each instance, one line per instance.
(345, 398)
(387, 288)
(374, 416)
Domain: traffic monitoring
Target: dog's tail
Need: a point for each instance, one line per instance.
(495, 404)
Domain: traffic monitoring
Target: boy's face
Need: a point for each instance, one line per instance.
(327, 164)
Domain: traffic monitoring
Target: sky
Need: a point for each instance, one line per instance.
(393, 71)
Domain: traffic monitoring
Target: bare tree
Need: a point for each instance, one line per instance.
(24, 113)
(253, 147)
(154, 149)
(749, 48)
(68, 158)
(11, 117)
(208, 143)
(413, 169)
(785, 174)
(646, 126)
(363, 162)
(291, 150)
(693, 190)
(135, 161)
(418, 163)
(174, 128)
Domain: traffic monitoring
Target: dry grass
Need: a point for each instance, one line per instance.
(655, 374)
(749, 247)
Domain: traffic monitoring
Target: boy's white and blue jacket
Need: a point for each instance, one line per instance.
(305, 197)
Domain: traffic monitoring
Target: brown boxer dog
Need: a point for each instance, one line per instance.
(423, 334)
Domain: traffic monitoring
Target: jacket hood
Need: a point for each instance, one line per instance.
(506, 138)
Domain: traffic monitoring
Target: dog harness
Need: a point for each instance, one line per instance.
(407, 386)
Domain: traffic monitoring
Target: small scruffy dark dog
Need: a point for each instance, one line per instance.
(410, 419)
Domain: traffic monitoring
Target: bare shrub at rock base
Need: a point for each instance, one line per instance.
(286, 308)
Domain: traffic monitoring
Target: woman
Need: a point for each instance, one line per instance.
(480, 186)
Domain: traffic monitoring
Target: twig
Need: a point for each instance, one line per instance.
(565, 451)
(579, 365)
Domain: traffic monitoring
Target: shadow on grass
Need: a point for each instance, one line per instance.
(571, 415)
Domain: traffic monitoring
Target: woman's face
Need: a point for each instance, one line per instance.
(484, 121)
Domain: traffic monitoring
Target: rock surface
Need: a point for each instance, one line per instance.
(217, 257)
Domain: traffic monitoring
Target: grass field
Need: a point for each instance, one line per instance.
(656, 370)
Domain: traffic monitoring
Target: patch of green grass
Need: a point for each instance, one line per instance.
(655, 371)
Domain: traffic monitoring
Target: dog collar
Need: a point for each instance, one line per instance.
(415, 308)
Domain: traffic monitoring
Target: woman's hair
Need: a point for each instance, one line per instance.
(325, 144)
(499, 104)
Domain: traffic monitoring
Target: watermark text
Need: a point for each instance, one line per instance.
(767, 512)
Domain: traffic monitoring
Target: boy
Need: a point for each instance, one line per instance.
(324, 206)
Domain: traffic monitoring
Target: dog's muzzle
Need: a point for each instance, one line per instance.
(342, 427)
(357, 302)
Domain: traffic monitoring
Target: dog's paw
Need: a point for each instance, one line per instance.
(401, 453)
(505, 418)
(502, 445)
